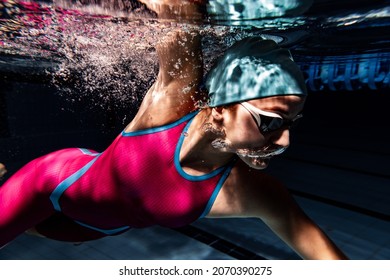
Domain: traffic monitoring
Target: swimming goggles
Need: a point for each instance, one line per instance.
(267, 121)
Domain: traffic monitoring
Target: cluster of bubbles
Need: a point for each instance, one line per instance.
(104, 51)
(110, 63)
(101, 52)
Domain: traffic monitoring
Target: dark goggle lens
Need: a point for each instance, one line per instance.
(270, 123)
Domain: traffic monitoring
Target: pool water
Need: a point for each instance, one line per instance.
(62, 64)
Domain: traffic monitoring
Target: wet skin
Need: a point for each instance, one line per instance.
(244, 138)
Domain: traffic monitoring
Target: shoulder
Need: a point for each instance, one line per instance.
(156, 111)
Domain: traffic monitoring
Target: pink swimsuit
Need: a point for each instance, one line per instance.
(77, 194)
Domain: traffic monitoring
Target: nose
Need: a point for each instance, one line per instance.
(281, 138)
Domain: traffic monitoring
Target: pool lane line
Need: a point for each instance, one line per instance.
(340, 167)
(219, 244)
(343, 205)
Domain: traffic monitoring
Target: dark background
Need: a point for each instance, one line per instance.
(337, 167)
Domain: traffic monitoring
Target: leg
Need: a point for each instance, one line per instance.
(23, 202)
(25, 197)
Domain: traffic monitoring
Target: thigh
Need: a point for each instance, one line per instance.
(23, 203)
(25, 196)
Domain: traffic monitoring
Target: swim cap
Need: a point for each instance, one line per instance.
(253, 68)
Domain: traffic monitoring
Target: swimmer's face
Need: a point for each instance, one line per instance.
(253, 145)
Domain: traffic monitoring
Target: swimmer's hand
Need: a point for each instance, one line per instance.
(177, 9)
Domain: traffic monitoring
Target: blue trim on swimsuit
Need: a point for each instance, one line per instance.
(88, 152)
(160, 128)
(105, 231)
(180, 169)
(214, 195)
(65, 184)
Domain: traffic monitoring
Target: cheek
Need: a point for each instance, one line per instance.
(241, 131)
(246, 139)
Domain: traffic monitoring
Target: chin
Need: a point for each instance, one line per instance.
(256, 163)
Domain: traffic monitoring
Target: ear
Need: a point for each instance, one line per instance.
(216, 112)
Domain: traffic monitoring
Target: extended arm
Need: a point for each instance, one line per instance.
(177, 9)
(296, 229)
(250, 193)
(176, 89)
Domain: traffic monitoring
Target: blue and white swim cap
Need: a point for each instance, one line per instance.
(253, 68)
